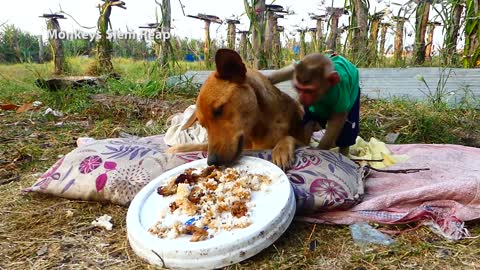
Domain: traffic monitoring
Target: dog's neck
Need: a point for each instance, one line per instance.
(272, 102)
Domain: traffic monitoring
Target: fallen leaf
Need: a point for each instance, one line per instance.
(8, 107)
(25, 107)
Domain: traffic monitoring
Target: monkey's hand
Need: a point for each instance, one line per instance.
(281, 75)
(334, 128)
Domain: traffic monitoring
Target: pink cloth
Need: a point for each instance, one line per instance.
(443, 197)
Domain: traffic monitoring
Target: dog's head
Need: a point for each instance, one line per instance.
(225, 106)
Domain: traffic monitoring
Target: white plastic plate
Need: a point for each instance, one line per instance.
(273, 212)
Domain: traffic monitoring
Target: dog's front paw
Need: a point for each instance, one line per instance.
(173, 150)
(283, 154)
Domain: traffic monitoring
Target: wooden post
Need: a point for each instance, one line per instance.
(429, 45)
(258, 34)
(398, 48)
(40, 49)
(231, 34)
(383, 38)
(273, 14)
(319, 39)
(360, 30)
(373, 39)
(451, 36)
(422, 13)
(166, 49)
(313, 37)
(206, 50)
(56, 44)
(104, 45)
(277, 47)
(335, 14)
(243, 45)
(303, 45)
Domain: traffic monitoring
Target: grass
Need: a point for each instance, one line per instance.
(44, 232)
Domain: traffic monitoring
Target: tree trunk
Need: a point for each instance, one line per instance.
(399, 40)
(258, 34)
(332, 38)
(422, 13)
(231, 35)
(206, 49)
(360, 32)
(372, 43)
(57, 47)
(429, 45)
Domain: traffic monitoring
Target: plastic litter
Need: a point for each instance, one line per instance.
(364, 234)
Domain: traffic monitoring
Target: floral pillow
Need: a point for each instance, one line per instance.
(115, 170)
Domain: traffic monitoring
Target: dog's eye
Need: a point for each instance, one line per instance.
(217, 112)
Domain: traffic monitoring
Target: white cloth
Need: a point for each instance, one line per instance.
(194, 134)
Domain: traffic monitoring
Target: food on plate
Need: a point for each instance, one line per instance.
(212, 200)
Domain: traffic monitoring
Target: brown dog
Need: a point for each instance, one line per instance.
(241, 109)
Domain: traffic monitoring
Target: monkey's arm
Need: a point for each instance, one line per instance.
(334, 128)
(281, 75)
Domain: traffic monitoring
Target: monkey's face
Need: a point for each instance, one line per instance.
(310, 93)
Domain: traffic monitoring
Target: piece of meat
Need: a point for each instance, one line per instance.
(173, 206)
(195, 195)
(168, 190)
(239, 209)
(198, 234)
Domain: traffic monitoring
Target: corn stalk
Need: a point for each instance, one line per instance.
(472, 34)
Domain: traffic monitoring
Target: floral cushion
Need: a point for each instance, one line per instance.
(115, 170)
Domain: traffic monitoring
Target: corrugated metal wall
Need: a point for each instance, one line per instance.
(400, 82)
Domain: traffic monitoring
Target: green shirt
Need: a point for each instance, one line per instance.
(343, 95)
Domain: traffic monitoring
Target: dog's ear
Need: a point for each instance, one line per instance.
(190, 121)
(230, 66)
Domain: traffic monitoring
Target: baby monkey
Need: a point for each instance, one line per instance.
(329, 90)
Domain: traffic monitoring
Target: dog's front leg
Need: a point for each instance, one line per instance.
(283, 153)
(188, 147)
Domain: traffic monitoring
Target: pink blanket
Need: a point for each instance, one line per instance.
(444, 197)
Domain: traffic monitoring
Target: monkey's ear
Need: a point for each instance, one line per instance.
(333, 78)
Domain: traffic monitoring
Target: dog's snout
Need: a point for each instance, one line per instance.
(212, 159)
